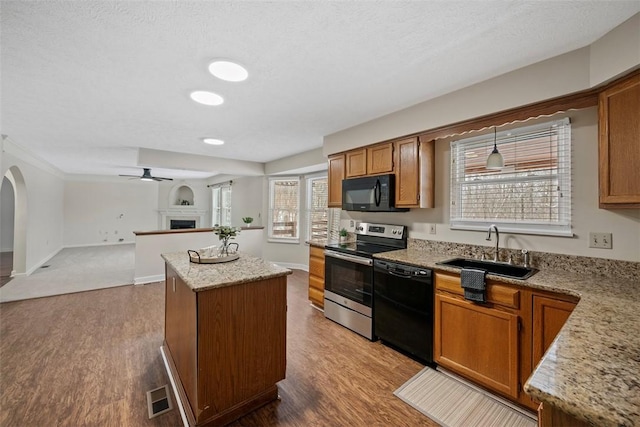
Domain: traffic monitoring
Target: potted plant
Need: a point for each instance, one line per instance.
(343, 235)
(225, 233)
(247, 220)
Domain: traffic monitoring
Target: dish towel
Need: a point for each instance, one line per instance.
(473, 283)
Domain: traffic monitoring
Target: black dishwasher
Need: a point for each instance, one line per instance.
(403, 308)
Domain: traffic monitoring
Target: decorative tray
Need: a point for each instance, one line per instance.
(195, 257)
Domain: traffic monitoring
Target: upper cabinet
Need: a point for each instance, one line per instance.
(414, 169)
(373, 160)
(380, 158)
(619, 144)
(336, 175)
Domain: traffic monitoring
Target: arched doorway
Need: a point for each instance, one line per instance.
(15, 180)
(7, 214)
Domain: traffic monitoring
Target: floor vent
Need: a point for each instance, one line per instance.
(159, 401)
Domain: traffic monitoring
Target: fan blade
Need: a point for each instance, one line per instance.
(134, 176)
(159, 178)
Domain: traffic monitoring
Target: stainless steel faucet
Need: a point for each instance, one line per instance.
(493, 226)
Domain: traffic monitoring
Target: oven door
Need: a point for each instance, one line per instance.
(349, 279)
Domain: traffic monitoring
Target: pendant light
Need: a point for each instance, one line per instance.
(495, 160)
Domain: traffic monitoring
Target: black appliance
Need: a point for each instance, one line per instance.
(403, 304)
(348, 279)
(370, 194)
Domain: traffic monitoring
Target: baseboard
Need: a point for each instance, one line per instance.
(40, 263)
(148, 279)
(88, 245)
(292, 266)
(183, 415)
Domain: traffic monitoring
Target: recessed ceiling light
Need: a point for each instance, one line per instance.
(212, 141)
(229, 71)
(206, 98)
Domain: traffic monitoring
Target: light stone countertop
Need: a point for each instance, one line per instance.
(202, 277)
(592, 369)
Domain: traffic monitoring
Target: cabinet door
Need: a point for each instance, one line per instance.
(619, 144)
(356, 163)
(477, 342)
(316, 276)
(336, 175)
(380, 159)
(180, 331)
(549, 315)
(415, 173)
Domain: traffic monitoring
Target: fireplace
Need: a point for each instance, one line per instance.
(178, 224)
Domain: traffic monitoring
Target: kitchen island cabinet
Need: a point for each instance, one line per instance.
(225, 335)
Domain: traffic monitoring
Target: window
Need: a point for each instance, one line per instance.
(221, 204)
(530, 195)
(284, 209)
(318, 215)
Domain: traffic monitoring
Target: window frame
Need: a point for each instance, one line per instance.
(562, 227)
(309, 205)
(277, 239)
(217, 204)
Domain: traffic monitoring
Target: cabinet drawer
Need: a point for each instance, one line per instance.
(316, 267)
(316, 252)
(496, 293)
(316, 296)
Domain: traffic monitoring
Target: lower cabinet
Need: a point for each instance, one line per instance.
(478, 342)
(316, 276)
(550, 416)
(497, 344)
(549, 315)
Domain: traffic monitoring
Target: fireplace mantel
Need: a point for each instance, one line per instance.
(180, 212)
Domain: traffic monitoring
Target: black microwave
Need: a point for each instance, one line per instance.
(370, 194)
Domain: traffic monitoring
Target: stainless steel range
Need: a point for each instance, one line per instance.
(348, 292)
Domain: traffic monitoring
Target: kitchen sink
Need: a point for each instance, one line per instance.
(492, 267)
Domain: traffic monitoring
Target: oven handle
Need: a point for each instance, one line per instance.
(346, 257)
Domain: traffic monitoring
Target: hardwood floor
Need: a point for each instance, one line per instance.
(89, 358)
(6, 265)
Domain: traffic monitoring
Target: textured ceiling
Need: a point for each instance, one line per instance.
(85, 84)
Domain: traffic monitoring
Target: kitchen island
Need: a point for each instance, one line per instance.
(225, 335)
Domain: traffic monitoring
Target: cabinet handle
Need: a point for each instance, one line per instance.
(174, 284)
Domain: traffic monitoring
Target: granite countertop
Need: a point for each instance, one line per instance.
(202, 277)
(592, 369)
(317, 242)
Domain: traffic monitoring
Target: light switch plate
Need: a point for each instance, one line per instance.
(600, 240)
(432, 229)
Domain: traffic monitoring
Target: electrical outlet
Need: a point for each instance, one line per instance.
(432, 229)
(600, 240)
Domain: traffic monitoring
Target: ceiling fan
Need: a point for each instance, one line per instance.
(146, 176)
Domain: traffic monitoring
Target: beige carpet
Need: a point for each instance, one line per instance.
(452, 403)
(75, 270)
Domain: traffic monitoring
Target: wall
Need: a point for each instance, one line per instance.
(586, 217)
(246, 200)
(555, 77)
(44, 186)
(7, 205)
(101, 211)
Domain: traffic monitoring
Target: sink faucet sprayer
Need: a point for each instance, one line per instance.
(493, 226)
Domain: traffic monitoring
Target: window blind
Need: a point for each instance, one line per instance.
(221, 205)
(531, 194)
(284, 209)
(318, 215)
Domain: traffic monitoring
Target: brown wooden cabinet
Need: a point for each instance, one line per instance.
(356, 163)
(550, 416)
(478, 342)
(226, 346)
(549, 315)
(415, 174)
(619, 144)
(380, 159)
(336, 175)
(316, 276)
(372, 160)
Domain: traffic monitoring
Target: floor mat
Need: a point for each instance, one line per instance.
(454, 404)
